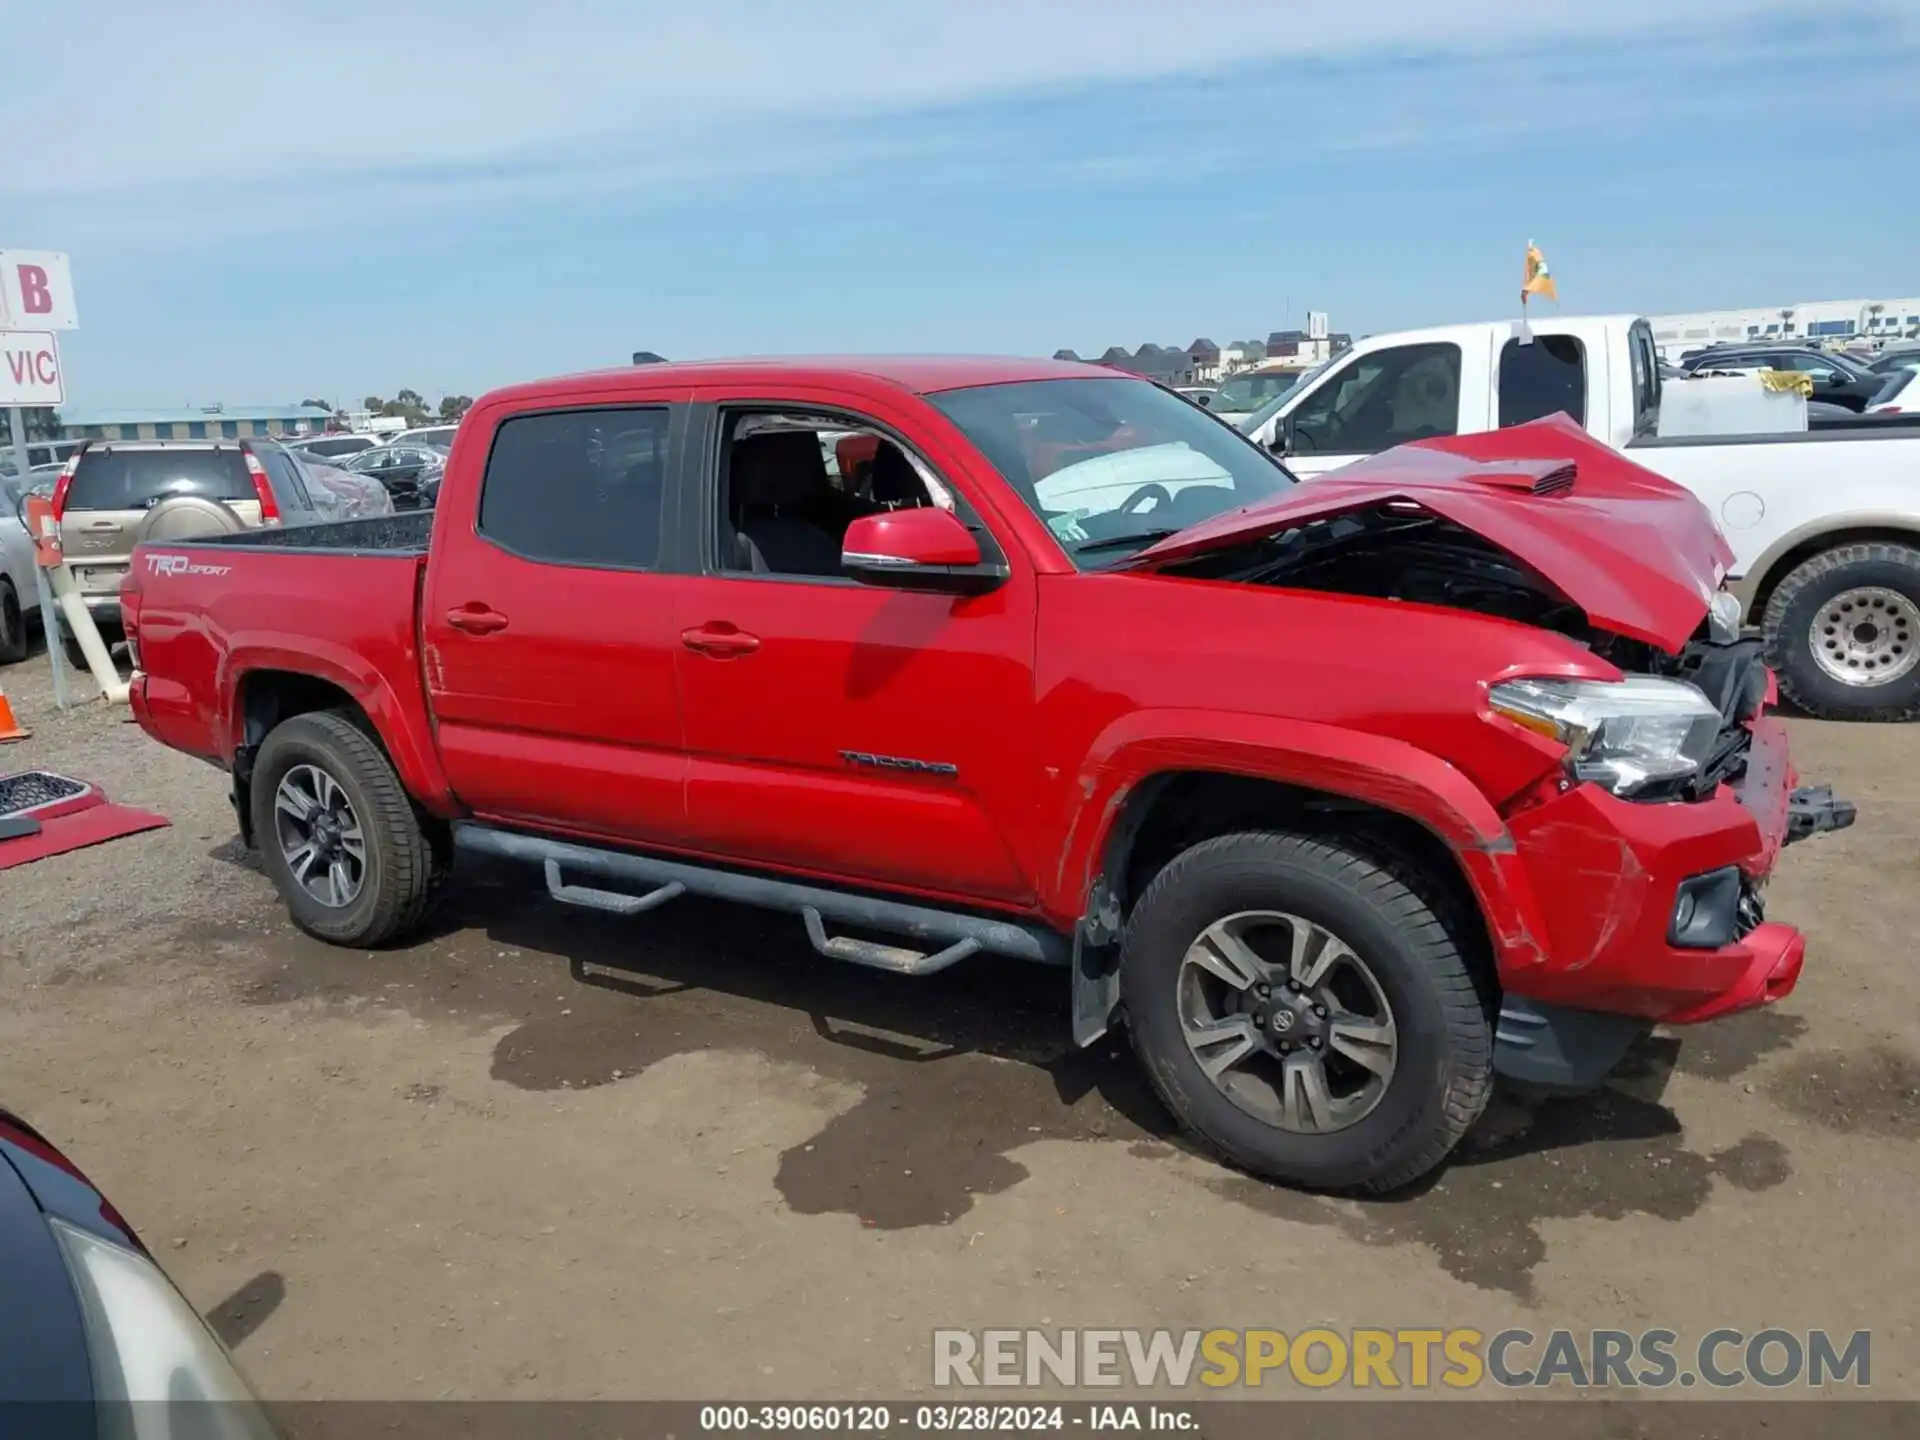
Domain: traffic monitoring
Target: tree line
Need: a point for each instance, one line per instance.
(409, 405)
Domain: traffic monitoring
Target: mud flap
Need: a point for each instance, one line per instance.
(1096, 987)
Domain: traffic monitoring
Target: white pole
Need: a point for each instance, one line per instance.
(17, 427)
(80, 625)
(56, 654)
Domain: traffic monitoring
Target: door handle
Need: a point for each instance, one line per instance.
(720, 640)
(476, 620)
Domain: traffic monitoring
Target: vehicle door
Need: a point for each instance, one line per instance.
(402, 475)
(874, 735)
(1381, 399)
(383, 463)
(548, 624)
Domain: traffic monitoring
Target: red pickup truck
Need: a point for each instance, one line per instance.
(1345, 796)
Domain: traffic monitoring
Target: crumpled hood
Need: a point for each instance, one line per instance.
(1639, 554)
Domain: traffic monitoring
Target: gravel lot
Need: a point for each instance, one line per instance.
(542, 1154)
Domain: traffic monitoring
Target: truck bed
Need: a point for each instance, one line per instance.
(405, 533)
(1866, 428)
(335, 602)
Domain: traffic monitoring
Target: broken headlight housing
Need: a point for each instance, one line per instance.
(1625, 734)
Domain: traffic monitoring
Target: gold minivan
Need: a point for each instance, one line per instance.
(114, 494)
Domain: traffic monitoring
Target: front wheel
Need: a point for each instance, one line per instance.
(338, 834)
(1843, 633)
(1305, 1013)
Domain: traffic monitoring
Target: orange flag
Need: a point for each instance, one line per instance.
(1539, 280)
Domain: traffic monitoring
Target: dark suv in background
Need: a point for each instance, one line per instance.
(115, 493)
(1837, 380)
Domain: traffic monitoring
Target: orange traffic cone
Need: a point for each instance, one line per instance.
(10, 728)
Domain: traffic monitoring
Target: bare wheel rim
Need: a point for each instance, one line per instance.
(320, 836)
(1287, 1021)
(1869, 635)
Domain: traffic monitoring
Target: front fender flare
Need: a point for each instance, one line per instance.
(1374, 769)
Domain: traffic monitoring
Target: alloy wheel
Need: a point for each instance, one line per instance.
(1287, 1021)
(320, 836)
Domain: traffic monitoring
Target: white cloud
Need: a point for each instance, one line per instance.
(119, 94)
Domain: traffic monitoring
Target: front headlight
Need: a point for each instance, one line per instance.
(157, 1370)
(1623, 734)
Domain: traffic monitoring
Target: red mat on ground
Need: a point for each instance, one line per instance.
(74, 824)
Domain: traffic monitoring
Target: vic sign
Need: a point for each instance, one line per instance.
(30, 368)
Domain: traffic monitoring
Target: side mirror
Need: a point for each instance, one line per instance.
(1282, 442)
(920, 549)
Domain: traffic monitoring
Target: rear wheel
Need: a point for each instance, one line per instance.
(1304, 1012)
(13, 625)
(1843, 633)
(351, 856)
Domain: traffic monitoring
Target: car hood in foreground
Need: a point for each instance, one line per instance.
(1639, 554)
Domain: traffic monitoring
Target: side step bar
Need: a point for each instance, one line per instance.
(949, 936)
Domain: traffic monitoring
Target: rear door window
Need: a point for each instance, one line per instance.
(1545, 377)
(108, 479)
(579, 487)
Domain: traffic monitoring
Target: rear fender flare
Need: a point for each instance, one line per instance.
(412, 753)
(1376, 770)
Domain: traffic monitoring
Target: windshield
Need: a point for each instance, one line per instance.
(1112, 465)
(1247, 424)
(1250, 391)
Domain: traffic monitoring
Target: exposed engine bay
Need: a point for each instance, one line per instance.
(1397, 552)
(1401, 551)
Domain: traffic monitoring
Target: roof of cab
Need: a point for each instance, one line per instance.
(920, 374)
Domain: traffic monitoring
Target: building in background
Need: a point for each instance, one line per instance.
(1838, 321)
(206, 422)
(1205, 363)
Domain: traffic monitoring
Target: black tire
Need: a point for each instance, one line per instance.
(1443, 1077)
(405, 860)
(13, 625)
(1794, 607)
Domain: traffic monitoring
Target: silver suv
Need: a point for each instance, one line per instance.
(116, 493)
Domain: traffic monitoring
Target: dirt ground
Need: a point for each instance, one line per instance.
(544, 1154)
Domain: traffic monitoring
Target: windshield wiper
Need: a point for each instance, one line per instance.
(1140, 538)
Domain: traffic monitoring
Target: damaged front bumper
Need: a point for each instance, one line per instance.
(1651, 914)
(1815, 810)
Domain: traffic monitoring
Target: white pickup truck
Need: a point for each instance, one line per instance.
(1824, 523)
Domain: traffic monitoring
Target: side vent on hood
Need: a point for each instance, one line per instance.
(1531, 477)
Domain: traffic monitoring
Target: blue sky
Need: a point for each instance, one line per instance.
(266, 201)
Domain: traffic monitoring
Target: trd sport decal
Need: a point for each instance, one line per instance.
(898, 762)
